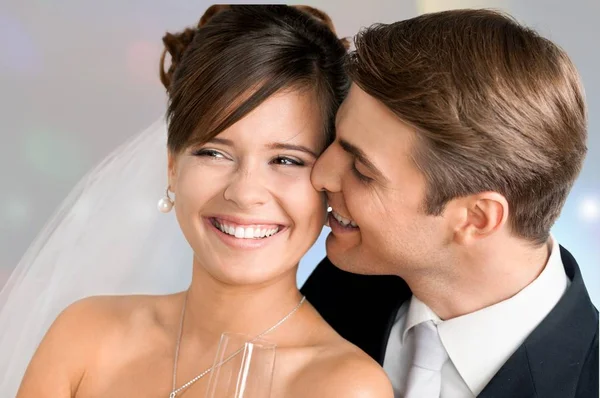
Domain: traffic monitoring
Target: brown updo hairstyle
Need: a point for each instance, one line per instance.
(238, 56)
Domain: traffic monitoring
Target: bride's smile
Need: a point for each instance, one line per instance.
(245, 234)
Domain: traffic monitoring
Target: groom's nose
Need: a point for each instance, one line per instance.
(326, 173)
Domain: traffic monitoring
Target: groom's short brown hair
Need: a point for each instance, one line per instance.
(495, 107)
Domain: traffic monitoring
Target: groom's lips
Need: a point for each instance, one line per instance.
(340, 224)
(344, 221)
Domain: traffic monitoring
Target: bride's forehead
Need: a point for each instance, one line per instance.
(268, 138)
(282, 110)
(286, 117)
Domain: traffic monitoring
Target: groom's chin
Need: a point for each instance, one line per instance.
(345, 257)
(353, 258)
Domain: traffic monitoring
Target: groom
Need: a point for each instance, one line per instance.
(455, 151)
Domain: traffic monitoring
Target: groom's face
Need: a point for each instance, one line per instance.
(378, 222)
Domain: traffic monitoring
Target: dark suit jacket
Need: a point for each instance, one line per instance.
(559, 359)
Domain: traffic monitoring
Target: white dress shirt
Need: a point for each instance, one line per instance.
(479, 343)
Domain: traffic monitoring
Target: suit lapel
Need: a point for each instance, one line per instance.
(512, 380)
(549, 362)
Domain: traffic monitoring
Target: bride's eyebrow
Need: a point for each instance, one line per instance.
(274, 145)
(222, 141)
(293, 147)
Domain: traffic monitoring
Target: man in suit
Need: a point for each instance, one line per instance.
(458, 143)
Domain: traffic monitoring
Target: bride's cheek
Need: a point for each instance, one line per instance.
(290, 176)
(199, 181)
(296, 190)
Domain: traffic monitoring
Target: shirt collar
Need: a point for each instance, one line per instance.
(479, 343)
(418, 312)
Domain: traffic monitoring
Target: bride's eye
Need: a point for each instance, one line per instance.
(211, 153)
(287, 161)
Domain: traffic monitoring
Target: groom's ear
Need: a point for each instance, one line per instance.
(478, 216)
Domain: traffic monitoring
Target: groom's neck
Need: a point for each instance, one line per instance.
(479, 277)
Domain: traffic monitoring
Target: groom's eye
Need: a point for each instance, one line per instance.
(361, 177)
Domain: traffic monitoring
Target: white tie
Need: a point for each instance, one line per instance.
(425, 377)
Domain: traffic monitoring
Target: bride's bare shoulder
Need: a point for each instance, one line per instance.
(88, 327)
(88, 324)
(100, 315)
(343, 370)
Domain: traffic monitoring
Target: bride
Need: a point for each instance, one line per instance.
(253, 93)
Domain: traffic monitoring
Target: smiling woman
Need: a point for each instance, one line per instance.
(253, 91)
(249, 188)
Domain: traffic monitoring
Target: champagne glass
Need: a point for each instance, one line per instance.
(243, 368)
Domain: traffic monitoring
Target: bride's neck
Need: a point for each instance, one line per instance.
(214, 307)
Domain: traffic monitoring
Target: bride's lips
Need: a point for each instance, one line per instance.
(244, 233)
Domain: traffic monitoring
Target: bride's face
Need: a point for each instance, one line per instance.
(244, 200)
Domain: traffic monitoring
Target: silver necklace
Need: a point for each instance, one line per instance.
(174, 390)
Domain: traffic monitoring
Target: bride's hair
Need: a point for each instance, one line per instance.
(238, 56)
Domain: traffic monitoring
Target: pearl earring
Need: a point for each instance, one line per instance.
(165, 204)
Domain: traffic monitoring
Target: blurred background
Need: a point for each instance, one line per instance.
(78, 78)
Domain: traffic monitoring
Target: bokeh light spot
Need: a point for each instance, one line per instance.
(16, 211)
(589, 209)
(53, 155)
(19, 54)
(143, 61)
(427, 6)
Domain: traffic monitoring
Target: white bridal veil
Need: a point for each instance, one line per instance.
(107, 237)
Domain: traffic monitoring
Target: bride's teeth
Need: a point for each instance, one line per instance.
(246, 233)
(354, 224)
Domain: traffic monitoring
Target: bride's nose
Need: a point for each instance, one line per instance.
(247, 188)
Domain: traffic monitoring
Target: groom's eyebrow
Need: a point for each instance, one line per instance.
(359, 155)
